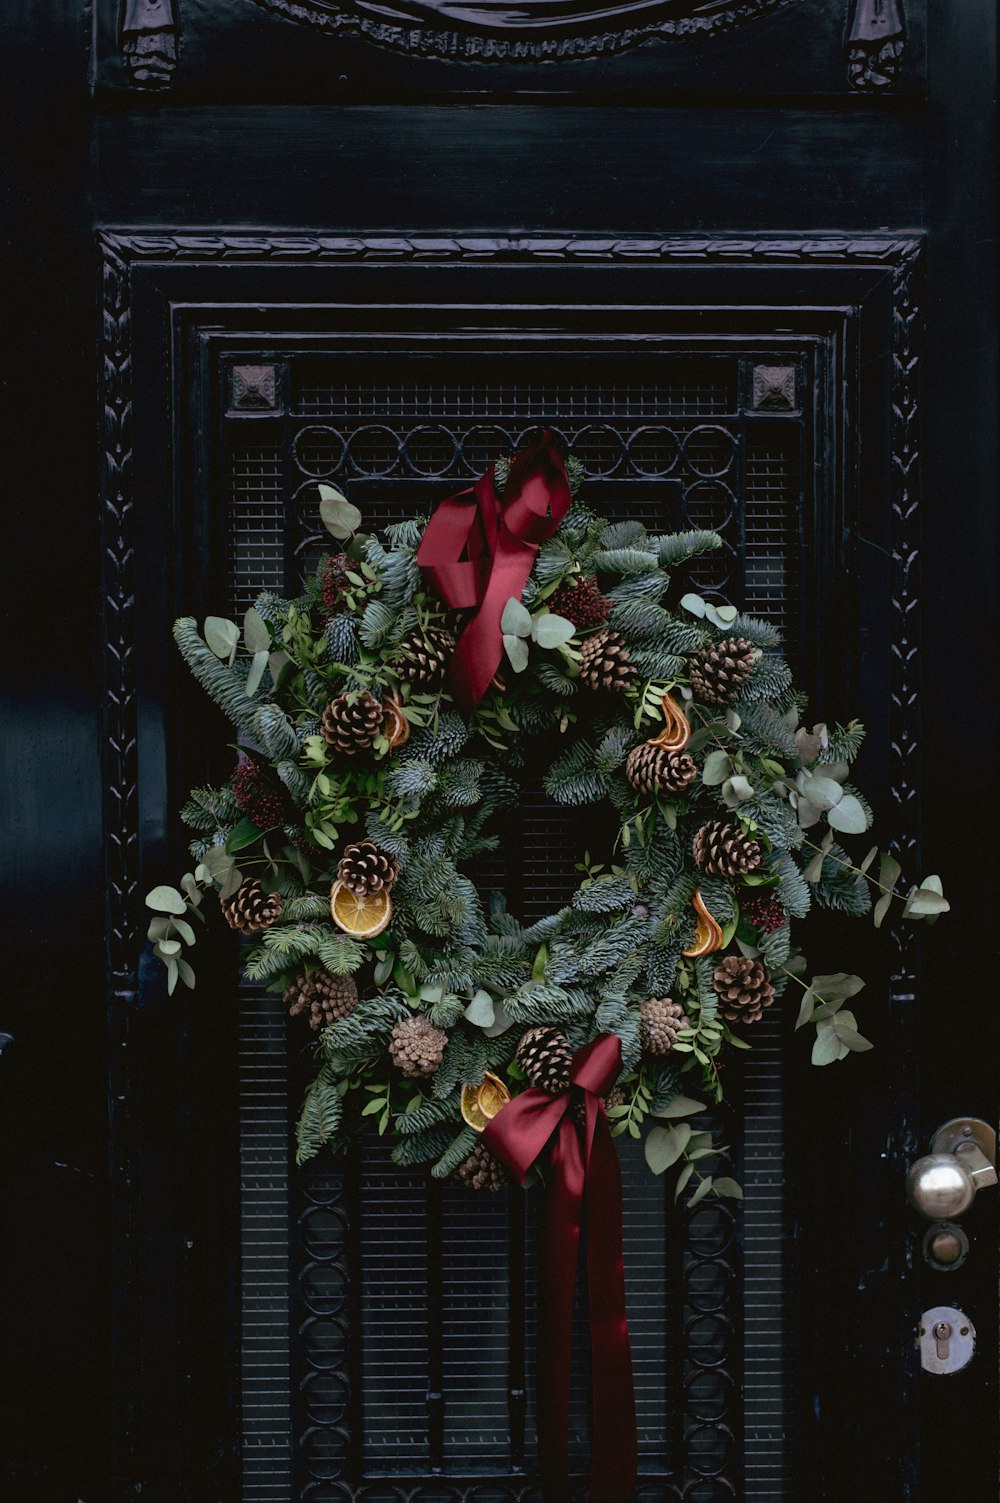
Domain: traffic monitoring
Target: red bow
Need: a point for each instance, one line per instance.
(584, 1172)
(477, 550)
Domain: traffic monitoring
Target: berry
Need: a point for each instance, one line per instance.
(334, 583)
(257, 799)
(764, 912)
(581, 602)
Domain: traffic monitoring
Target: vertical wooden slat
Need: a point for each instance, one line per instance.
(435, 1330)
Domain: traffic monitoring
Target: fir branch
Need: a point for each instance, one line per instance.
(793, 890)
(219, 682)
(677, 547)
(460, 1149)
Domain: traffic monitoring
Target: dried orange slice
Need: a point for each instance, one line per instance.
(676, 732)
(396, 728)
(708, 935)
(480, 1104)
(362, 917)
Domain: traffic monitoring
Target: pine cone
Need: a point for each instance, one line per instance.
(660, 1021)
(650, 768)
(744, 989)
(545, 1056)
(417, 1047)
(425, 655)
(718, 673)
(605, 663)
(722, 850)
(325, 998)
(365, 869)
(251, 908)
(350, 723)
(481, 1170)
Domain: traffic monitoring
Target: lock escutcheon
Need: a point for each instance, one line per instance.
(946, 1339)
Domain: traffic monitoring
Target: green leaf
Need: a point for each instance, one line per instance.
(922, 902)
(480, 1011)
(664, 1146)
(806, 1010)
(232, 882)
(185, 931)
(222, 636)
(736, 791)
(813, 869)
(866, 863)
(822, 793)
(701, 1191)
(552, 631)
(726, 1186)
(853, 1039)
(166, 900)
(838, 985)
(515, 620)
(882, 908)
(383, 969)
(256, 634)
(827, 1046)
(681, 1106)
(848, 816)
(694, 604)
(168, 947)
(186, 974)
(682, 1180)
(517, 651)
(340, 518)
(244, 834)
(173, 971)
(218, 862)
(716, 769)
(256, 671)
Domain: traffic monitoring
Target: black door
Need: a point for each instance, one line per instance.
(741, 256)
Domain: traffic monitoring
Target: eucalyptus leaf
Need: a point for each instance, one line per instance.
(218, 862)
(854, 1040)
(166, 900)
(681, 1106)
(480, 1011)
(827, 1046)
(736, 791)
(717, 768)
(168, 947)
(552, 631)
(682, 1179)
(813, 869)
(222, 635)
(256, 671)
(232, 882)
(840, 984)
(502, 1020)
(185, 931)
(822, 793)
(383, 969)
(185, 972)
(701, 1191)
(881, 909)
(516, 620)
(866, 863)
(728, 1187)
(848, 816)
(806, 1009)
(923, 902)
(340, 518)
(516, 649)
(664, 1146)
(694, 604)
(255, 632)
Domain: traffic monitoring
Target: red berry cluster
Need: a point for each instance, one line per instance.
(581, 602)
(334, 583)
(764, 912)
(257, 799)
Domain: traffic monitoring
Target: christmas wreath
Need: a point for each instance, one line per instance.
(383, 719)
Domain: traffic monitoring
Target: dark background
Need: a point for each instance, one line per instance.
(272, 125)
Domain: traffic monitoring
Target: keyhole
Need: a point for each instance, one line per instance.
(942, 1332)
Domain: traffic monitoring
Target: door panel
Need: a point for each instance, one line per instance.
(770, 394)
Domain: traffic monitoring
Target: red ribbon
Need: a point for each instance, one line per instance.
(584, 1174)
(478, 549)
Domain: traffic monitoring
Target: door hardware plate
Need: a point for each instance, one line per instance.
(946, 1339)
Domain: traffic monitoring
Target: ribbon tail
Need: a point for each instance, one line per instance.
(614, 1459)
(560, 1249)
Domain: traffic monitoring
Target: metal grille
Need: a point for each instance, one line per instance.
(409, 1320)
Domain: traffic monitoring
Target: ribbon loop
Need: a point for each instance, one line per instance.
(477, 550)
(584, 1177)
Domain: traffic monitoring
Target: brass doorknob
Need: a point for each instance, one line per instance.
(962, 1160)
